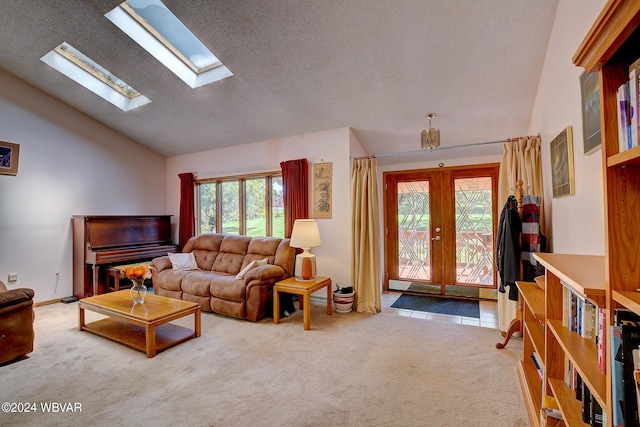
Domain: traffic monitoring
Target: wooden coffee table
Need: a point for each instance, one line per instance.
(144, 327)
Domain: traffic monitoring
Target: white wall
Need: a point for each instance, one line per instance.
(69, 164)
(577, 221)
(333, 256)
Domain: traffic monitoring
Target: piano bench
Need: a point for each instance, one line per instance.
(114, 274)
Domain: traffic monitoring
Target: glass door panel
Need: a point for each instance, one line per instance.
(474, 230)
(414, 244)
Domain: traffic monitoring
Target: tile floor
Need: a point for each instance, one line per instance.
(488, 312)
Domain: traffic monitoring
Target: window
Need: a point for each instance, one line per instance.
(230, 206)
(88, 73)
(156, 29)
(248, 205)
(255, 201)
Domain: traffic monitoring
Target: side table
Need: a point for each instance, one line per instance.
(304, 289)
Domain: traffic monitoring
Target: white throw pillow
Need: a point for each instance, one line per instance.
(253, 264)
(185, 261)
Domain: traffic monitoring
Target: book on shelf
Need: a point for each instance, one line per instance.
(577, 384)
(573, 311)
(587, 320)
(630, 336)
(587, 402)
(616, 376)
(592, 412)
(569, 379)
(539, 370)
(629, 339)
(633, 103)
(636, 373)
(601, 342)
(634, 100)
(628, 101)
(537, 363)
(565, 308)
(624, 125)
(579, 314)
(597, 413)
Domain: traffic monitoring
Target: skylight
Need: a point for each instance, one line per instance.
(86, 72)
(155, 28)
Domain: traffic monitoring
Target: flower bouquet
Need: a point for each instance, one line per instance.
(137, 274)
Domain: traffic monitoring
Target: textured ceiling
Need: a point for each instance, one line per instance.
(377, 66)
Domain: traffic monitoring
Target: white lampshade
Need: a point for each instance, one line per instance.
(305, 235)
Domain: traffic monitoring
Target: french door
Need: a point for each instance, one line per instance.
(439, 230)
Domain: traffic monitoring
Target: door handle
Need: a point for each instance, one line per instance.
(436, 238)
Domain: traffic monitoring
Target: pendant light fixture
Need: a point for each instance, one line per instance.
(430, 138)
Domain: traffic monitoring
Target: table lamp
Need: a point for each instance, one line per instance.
(305, 235)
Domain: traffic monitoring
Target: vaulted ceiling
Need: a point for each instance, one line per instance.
(302, 66)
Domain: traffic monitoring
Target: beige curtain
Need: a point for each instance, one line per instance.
(365, 226)
(521, 160)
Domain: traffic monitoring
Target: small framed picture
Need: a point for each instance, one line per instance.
(322, 191)
(9, 158)
(562, 174)
(590, 89)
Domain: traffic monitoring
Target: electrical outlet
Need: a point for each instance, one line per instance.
(13, 277)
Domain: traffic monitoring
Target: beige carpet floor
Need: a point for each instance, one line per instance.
(349, 370)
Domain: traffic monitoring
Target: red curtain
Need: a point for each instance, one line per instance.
(295, 183)
(187, 226)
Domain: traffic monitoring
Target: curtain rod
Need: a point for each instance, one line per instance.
(405, 153)
(228, 172)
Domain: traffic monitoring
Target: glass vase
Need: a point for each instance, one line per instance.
(138, 291)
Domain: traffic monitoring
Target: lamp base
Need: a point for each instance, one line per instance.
(305, 267)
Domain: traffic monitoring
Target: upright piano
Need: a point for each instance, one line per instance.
(101, 241)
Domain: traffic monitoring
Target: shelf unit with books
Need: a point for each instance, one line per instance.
(583, 275)
(529, 374)
(610, 48)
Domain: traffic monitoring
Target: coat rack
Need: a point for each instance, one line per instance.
(516, 324)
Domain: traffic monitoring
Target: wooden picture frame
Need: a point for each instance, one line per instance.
(562, 173)
(9, 153)
(322, 191)
(590, 91)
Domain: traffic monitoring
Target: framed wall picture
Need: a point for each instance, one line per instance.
(562, 174)
(322, 175)
(9, 158)
(590, 89)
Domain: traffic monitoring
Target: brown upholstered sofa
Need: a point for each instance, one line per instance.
(214, 280)
(16, 323)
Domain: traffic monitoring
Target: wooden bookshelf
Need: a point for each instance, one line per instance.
(533, 341)
(584, 355)
(610, 47)
(585, 275)
(531, 390)
(628, 299)
(569, 406)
